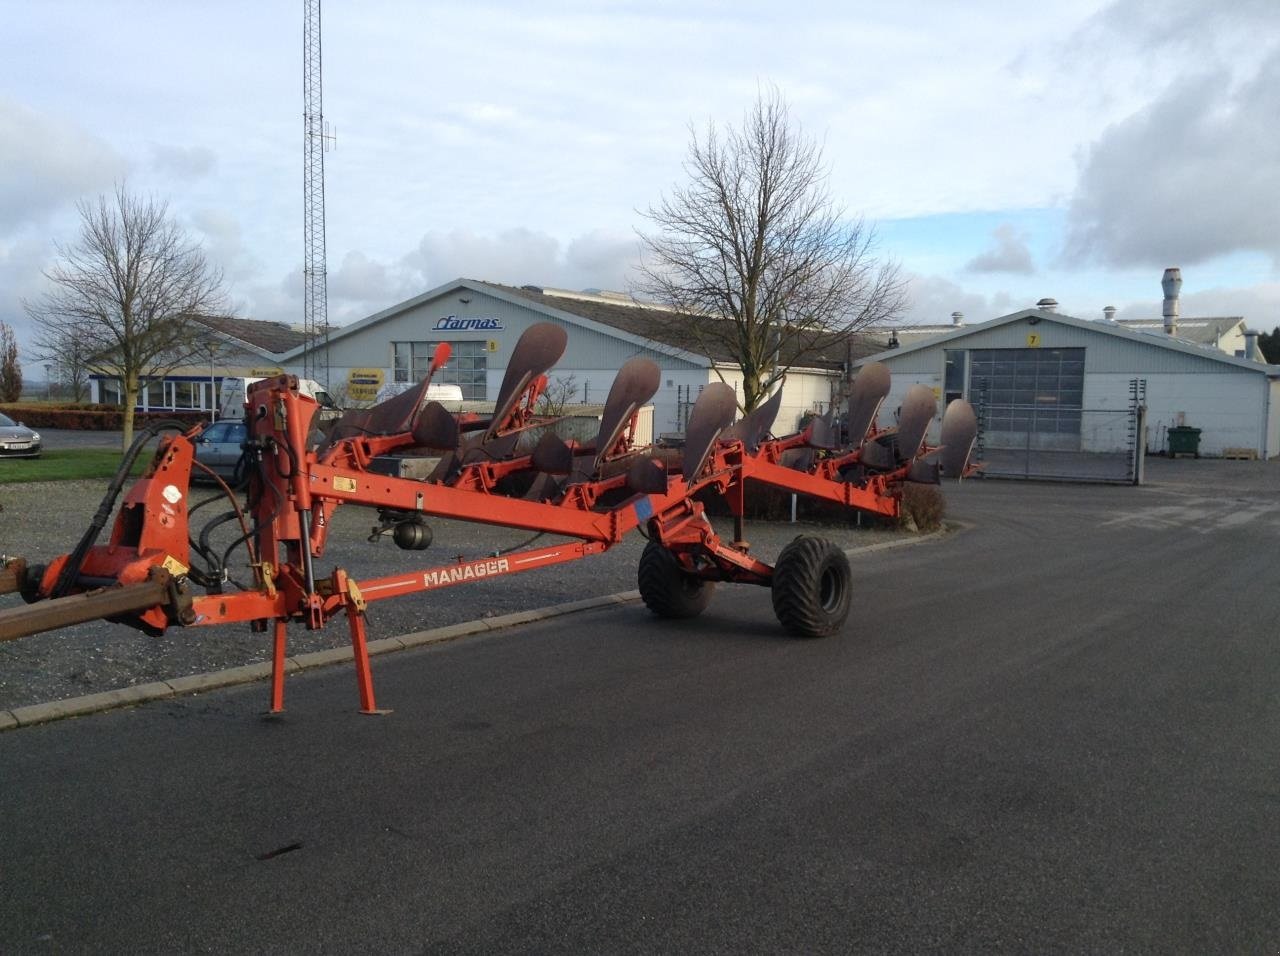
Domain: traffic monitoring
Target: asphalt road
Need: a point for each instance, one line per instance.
(60, 438)
(1055, 731)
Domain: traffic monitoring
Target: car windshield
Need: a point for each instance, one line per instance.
(6, 421)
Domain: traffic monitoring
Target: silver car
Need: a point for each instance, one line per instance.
(17, 440)
(219, 447)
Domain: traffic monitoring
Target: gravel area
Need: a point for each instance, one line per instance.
(40, 521)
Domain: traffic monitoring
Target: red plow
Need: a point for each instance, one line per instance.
(157, 571)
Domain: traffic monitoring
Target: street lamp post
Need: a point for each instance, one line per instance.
(48, 382)
(212, 349)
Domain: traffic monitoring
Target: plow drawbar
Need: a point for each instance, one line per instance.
(509, 469)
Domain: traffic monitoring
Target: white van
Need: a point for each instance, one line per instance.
(235, 392)
(450, 396)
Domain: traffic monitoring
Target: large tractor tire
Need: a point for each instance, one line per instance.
(667, 589)
(812, 587)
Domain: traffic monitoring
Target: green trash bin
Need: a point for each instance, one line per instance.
(1184, 441)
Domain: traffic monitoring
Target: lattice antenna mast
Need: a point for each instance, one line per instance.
(316, 140)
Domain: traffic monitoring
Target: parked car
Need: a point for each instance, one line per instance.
(219, 447)
(17, 440)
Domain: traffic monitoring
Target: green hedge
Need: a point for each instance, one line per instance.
(108, 418)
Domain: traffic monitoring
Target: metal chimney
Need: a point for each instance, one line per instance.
(957, 319)
(1251, 346)
(1171, 283)
(1109, 313)
(1047, 305)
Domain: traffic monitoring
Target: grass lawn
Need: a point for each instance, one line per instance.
(67, 464)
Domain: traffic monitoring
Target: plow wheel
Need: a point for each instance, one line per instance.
(812, 587)
(667, 589)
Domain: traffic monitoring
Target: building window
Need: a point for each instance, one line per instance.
(186, 394)
(154, 391)
(467, 366)
(109, 392)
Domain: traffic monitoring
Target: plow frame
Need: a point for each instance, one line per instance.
(296, 484)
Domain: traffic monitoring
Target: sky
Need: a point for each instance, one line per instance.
(1069, 149)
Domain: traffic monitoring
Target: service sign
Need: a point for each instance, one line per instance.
(363, 384)
(452, 323)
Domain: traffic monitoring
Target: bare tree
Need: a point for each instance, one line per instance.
(755, 249)
(132, 285)
(10, 368)
(558, 394)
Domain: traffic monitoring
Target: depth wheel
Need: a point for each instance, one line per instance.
(667, 589)
(812, 587)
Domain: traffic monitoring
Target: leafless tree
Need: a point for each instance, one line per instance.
(132, 286)
(10, 368)
(753, 248)
(559, 393)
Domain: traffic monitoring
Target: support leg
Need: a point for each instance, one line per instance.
(277, 667)
(364, 673)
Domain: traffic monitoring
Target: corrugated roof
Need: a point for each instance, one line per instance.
(1194, 329)
(275, 337)
(666, 327)
(1203, 331)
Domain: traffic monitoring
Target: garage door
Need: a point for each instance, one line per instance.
(1032, 397)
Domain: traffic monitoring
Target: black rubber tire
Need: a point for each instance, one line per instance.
(812, 587)
(666, 589)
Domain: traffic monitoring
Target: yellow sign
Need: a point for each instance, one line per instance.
(363, 384)
(265, 372)
(1033, 340)
(493, 345)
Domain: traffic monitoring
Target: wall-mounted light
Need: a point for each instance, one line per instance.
(464, 300)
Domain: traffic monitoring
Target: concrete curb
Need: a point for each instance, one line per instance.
(33, 714)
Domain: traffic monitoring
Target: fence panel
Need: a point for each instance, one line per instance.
(1060, 444)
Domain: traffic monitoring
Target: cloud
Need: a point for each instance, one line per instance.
(932, 299)
(46, 164)
(362, 285)
(183, 162)
(1009, 252)
(1195, 174)
(224, 244)
(1177, 24)
(597, 259)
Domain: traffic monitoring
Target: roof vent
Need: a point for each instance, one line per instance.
(1047, 305)
(957, 319)
(1109, 313)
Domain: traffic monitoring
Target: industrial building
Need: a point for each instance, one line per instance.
(1048, 381)
(482, 322)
